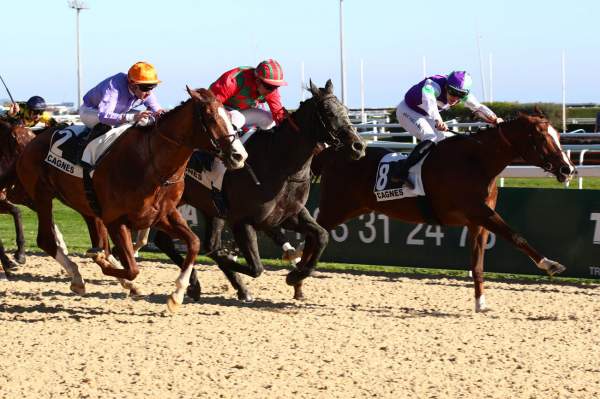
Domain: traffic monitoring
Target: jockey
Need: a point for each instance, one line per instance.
(30, 113)
(242, 89)
(419, 114)
(109, 103)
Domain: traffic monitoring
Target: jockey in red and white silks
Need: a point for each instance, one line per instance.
(242, 89)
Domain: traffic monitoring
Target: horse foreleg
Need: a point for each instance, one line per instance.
(176, 226)
(214, 249)
(15, 212)
(5, 263)
(121, 237)
(494, 223)
(478, 239)
(316, 241)
(290, 253)
(165, 244)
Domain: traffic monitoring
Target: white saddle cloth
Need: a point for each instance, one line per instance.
(385, 190)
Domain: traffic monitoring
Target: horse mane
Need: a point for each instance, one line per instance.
(204, 92)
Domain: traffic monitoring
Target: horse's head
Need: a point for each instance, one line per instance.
(539, 145)
(221, 136)
(332, 124)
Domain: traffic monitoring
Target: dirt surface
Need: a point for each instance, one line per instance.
(355, 336)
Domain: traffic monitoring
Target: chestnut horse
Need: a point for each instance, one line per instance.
(281, 159)
(459, 178)
(137, 185)
(13, 140)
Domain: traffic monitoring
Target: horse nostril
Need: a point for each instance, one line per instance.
(237, 157)
(358, 146)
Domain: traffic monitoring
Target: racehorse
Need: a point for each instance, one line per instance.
(281, 161)
(137, 184)
(459, 179)
(13, 140)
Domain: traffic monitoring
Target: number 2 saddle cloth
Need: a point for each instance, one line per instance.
(66, 148)
(386, 190)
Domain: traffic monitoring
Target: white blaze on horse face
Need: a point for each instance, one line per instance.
(238, 147)
(554, 134)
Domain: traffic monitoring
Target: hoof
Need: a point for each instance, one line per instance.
(172, 305)
(194, 292)
(10, 267)
(79, 289)
(20, 258)
(136, 292)
(296, 276)
(95, 254)
(551, 267)
(245, 297)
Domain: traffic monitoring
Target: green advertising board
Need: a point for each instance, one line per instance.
(563, 225)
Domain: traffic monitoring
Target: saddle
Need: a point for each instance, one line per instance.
(72, 148)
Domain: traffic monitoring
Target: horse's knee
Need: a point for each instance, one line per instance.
(256, 271)
(132, 274)
(194, 245)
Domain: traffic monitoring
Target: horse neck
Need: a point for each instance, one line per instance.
(167, 147)
(497, 151)
(295, 148)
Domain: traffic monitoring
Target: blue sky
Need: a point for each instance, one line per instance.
(193, 42)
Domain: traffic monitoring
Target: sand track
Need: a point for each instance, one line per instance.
(355, 336)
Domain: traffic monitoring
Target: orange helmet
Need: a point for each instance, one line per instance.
(270, 72)
(143, 72)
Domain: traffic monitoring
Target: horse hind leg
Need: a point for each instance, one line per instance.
(478, 238)
(48, 241)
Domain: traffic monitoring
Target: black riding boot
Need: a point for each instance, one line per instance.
(401, 172)
(201, 161)
(98, 130)
(220, 202)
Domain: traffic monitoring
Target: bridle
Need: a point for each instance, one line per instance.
(216, 143)
(543, 160)
(332, 133)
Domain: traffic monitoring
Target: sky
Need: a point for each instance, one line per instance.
(192, 42)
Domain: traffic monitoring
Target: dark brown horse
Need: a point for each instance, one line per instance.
(138, 184)
(459, 178)
(13, 140)
(281, 160)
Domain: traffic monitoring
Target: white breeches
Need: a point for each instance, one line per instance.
(252, 117)
(420, 126)
(89, 116)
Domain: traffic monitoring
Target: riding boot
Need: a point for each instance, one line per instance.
(220, 202)
(400, 174)
(201, 161)
(98, 130)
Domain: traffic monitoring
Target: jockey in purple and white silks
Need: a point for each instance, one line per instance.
(419, 114)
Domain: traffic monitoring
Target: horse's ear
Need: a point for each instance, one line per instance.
(206, 95)
(191, 92)
(313, 89)
(538, 111)
(329, 87)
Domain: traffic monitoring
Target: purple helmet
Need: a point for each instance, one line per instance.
(459, 83)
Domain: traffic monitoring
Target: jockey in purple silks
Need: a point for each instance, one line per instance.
(419, 114)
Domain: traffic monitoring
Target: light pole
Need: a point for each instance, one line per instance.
(78, 5)
(342, 66)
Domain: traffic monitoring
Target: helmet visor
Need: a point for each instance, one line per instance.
(453, 91)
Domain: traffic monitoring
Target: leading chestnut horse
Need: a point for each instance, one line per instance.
(459, 179)
(138, 184)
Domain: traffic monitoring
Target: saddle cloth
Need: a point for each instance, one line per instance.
(211, 174)
(65, 142)
(386, 190)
